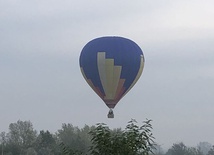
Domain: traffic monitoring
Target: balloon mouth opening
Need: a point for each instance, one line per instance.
(110, 103)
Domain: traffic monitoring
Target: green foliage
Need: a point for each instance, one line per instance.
(177, 149)
(75, 138)
(181, 149)
(21, 136)
(134, 140)
(22, 139)
(211, 151)
(204, 147)
(193, 151)
(139, 139)
(68, 151)
(101, 140)
(46, 144)
(31, 151)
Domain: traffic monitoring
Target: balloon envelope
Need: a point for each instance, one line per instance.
(111, 66)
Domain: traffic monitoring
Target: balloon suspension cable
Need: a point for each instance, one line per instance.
(110, 113)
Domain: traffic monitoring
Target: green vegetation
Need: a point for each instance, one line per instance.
(22, 139)
(134, 140)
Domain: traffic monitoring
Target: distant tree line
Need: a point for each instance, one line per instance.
(23, 139)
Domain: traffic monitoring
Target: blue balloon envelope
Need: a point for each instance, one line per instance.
(111, 66)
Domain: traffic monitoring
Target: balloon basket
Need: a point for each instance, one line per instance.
(110, 114)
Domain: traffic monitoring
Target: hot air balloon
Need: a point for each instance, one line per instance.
(111, 66)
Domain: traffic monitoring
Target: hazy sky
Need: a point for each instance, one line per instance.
(40, 79)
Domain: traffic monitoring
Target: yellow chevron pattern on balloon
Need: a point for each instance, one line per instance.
(109, 75)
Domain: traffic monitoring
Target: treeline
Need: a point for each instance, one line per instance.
(203, 148)
(23, 139)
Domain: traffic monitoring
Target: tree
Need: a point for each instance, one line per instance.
(181, 149)
(193, 151)
(31, 151)
(3, 140)
(211, 151)
(134, 140)
(204, 147)
(46, 144)
(69, 151)
(75, 138)
(177, 149)
(21, 136)
(158, 150)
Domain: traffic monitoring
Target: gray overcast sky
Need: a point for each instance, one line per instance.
(40, 79)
